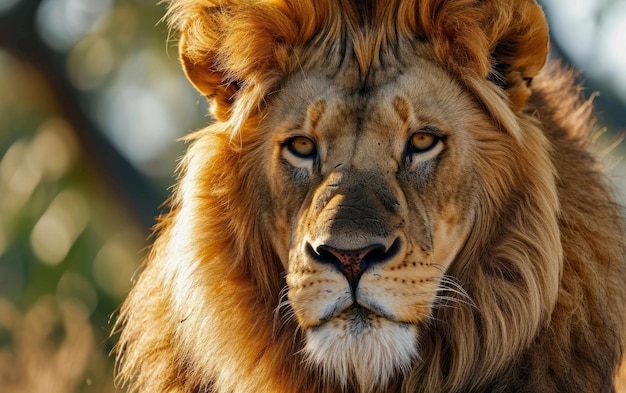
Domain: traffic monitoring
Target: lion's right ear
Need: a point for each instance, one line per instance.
(208, 80)
(231, 45)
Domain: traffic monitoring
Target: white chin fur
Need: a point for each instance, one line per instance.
(370, 356)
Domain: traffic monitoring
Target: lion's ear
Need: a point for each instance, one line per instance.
(519, 48)
(209, 81)
(228, 46)
(504, 41)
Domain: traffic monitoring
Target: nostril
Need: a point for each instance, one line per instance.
(381, 254)
(326, 254)
(352, 263)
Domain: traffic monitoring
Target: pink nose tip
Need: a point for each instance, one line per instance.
(353, 263)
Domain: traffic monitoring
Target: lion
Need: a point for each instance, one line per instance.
(395, 196)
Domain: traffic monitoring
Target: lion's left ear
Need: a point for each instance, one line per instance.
(519, 48)
(503, 41)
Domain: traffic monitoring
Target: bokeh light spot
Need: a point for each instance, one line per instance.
(90, 62)
(50, 240)
(59, 227)
(62, 23)
(74, 287)
(613, 48)
(144, 109)
(114, 267)
(54, 148)
(20, 173)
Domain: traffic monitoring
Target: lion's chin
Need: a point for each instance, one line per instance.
(363, 347)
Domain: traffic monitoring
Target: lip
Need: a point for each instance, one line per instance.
(358, 320)
(355, 310)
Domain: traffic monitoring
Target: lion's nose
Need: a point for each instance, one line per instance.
(353, 263)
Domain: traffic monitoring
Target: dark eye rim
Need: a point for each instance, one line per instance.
(288, 144)
(431, 130)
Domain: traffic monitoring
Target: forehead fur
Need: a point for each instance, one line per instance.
(227, 45)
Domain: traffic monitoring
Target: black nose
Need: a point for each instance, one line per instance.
(353, 263)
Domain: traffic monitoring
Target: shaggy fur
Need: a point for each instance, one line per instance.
(511, 266)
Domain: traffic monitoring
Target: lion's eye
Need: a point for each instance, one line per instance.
(302, 147)
(423, 141)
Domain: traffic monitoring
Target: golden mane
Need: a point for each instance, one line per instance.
(548, 250)
(472, 40)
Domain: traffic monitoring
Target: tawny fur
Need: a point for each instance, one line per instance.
(544, 266)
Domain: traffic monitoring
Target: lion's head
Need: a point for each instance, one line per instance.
(373, 188)
(376, 207)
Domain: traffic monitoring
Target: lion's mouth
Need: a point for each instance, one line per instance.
(356, 319)
(359, 319)
(362, 344)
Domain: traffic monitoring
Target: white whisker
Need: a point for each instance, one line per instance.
(452, 294)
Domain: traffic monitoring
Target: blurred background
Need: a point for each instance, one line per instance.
(92, 100)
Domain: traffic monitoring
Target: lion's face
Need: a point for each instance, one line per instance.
(373, 198)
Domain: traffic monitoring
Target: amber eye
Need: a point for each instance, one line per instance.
(423, 141)
(302, 147)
